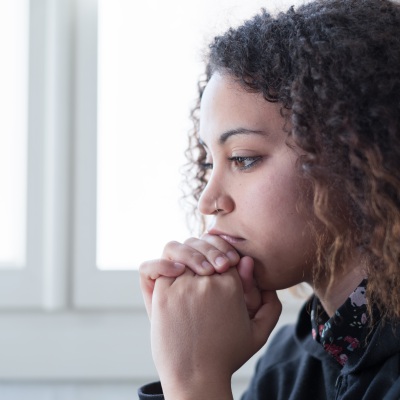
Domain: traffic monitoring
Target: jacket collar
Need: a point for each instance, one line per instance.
(382, 342)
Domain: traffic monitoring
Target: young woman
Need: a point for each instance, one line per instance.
(296, 165)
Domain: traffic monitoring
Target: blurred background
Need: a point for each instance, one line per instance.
(95, 100)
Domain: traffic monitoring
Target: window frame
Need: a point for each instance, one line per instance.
(69, 319)
(93, 288)
(41, 283)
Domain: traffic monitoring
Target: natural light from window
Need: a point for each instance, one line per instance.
(149, 60)
(13, 138)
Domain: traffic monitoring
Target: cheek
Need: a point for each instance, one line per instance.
(276, 199)
(274, 221)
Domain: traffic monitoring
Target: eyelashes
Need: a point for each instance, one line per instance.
(239, 162)
(243, 163)
(206, 166)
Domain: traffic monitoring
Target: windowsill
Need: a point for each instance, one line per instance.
(85, 345)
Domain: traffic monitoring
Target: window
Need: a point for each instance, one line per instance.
(18, 263)
(13, 140)
(138, 65)
(149, 60)
(143, 105)
(71, 233)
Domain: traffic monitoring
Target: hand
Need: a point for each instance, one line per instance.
(252, 295)
(203, 256)
(201, 332)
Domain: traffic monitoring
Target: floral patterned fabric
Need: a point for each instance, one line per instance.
(346, 330)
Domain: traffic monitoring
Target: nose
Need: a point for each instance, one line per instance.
(215, 199)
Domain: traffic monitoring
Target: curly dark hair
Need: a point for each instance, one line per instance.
(334, 66)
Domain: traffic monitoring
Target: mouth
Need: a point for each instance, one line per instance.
(227, 237)
(231, 239)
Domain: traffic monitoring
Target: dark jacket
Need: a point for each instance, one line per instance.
(295, 367)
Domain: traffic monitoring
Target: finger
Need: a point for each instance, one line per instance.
(163, 285)
(225, 248)
(252, 295)
(188, 273)
(266, 318)
(245, 269)
(199, 255)
(150, 271)
(217, 258)
(192, 258)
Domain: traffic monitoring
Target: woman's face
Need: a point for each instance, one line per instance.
(254, 183)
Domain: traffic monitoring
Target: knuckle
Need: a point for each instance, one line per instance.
(214, 253)
(143, 267)
(172, 244)
(190, 241)
(147, 268)
(196, 256)
(171, 248)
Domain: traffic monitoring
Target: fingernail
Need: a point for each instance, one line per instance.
(232, 255)
(220, 261)
(179, 265)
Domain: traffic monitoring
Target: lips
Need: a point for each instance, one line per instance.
(227, 237)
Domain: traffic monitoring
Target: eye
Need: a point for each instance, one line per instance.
(206, 165)
(205, 162)
(243, 163)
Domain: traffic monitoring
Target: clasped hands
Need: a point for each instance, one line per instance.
(208, 317)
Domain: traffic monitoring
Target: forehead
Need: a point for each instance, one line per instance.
(226, 106)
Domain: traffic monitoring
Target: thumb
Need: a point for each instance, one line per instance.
(266, 318)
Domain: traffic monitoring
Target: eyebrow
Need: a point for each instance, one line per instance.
(239, 131)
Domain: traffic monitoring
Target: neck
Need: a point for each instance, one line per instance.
(333, 295)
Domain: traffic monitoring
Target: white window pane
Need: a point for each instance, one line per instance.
(13, 135)
(149, 60)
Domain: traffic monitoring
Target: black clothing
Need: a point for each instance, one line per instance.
(296, 367)
(347, 329)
